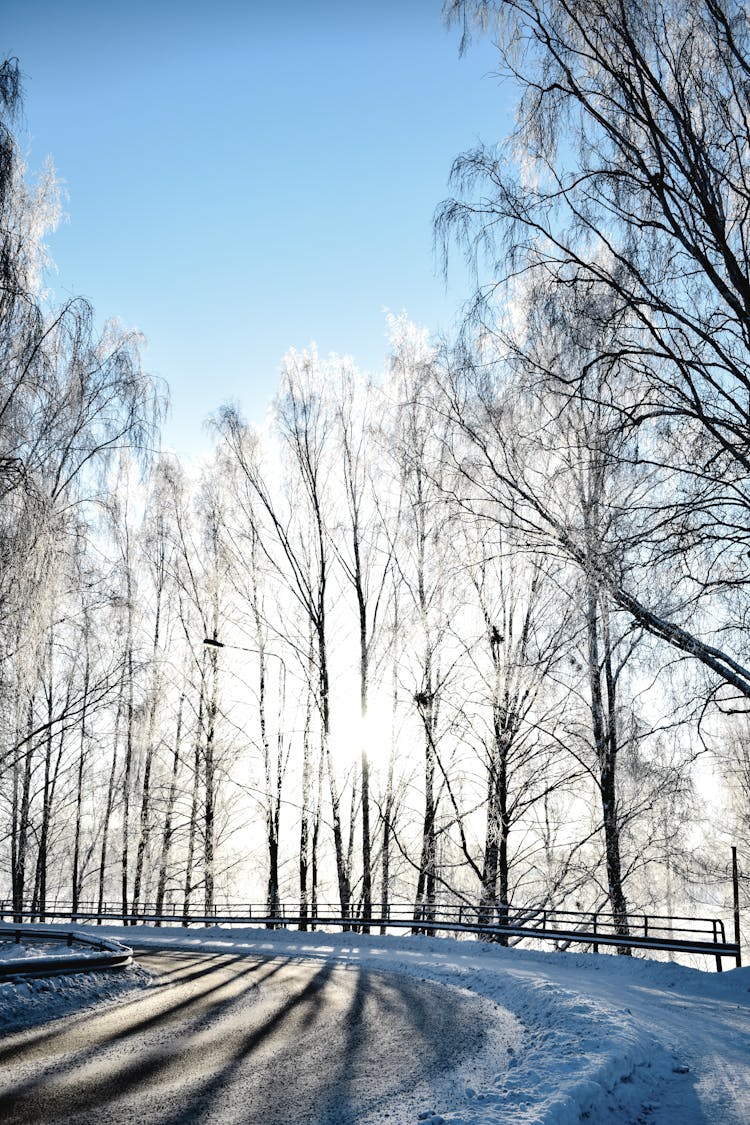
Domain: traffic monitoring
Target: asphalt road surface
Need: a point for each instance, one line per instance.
(219, 1038)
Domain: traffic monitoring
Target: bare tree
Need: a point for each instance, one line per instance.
(365, 557)
(420, 554)
(516, 701)
(632, 125)
(302, 537)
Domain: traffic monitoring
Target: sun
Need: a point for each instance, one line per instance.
(353, 733)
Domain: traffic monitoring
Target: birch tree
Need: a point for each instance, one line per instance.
(301, 532)
(626, 174)
(365, 559)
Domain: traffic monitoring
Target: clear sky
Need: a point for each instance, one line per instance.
(247, 177)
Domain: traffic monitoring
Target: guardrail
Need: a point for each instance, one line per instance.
(680, 934)
(102, 953)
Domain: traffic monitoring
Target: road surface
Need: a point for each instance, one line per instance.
(220, 1038)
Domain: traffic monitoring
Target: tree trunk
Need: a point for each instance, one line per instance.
(304, 834)
(108, 810)
(604, 727)
(424, 903)
(23, 821)
(342, 870)
(364, 687)
(145, 817)
(366, 842)
(385, 884)
(193, 826)
(77, 876)
(127, 775)
(166, 839)
(209, 828)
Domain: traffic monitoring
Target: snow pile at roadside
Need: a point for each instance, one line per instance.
(26, 1003)
(11, 950)
(610, 1038)
(575, 1055)
(14, 951)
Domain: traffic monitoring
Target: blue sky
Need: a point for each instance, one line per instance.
(243, 178)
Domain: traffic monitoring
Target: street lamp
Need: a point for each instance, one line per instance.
(213, 642)
(273, 875)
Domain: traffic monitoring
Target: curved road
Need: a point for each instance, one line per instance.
(219, 1038)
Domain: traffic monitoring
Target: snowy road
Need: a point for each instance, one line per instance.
(227, 1038)
(263, 1026)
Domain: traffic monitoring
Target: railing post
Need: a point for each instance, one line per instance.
(595, 946)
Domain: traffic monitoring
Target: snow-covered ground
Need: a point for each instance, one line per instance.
(602, 1038)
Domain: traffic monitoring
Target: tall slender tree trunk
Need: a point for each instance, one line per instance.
(51, 769)
(364, 688)
(605, 732)
(166, 838)
(342, 871)
(305, 832)
(108, 809)
(51, 776)
(23, 817)
(39, 899)
(128, 770)
(385, 868)
(272, 776)
(352, 832)
(209, 819)
(316, 838)
(425, 699)
(145, 816)
(76, 874)
(193, 825)
(424, 903)
(495, 892)
(388, 807)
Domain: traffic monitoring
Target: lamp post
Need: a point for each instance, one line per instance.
(214, 642)
(273, 799)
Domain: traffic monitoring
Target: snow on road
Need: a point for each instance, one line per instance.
(604, 1038)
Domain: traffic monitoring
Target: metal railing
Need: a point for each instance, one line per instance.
(680, 934)
(101, 953)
